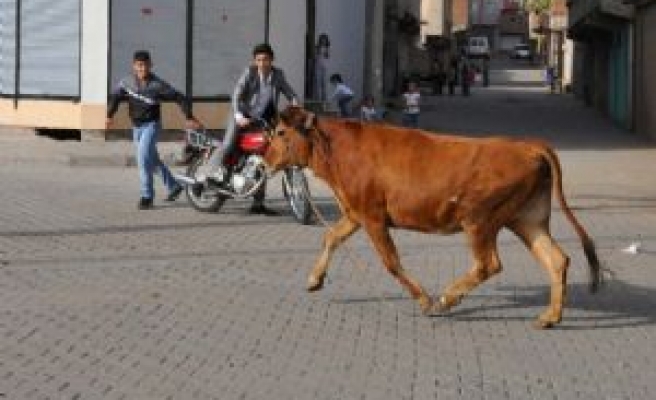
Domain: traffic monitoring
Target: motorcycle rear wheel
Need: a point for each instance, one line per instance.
(296, 191)
(209, 200)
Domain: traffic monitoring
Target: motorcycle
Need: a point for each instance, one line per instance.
(244, 173)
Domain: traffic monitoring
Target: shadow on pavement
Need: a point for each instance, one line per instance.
(617, 305)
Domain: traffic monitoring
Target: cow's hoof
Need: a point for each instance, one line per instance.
(447, 302)
(546, 321)
(540, 324)
(426, 305)
(315, 284)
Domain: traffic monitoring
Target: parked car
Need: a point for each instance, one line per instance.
(478, 47)
(521, 52)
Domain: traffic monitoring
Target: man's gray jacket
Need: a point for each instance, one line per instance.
(247, 89)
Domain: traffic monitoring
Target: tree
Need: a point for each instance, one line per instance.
(538, 6)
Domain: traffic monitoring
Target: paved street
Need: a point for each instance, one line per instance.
(101, 301)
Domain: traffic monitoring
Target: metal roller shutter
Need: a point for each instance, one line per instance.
(224, 34)
(50, 48)
(7, 46)
(158, 26)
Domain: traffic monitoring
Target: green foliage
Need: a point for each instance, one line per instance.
(538, 6)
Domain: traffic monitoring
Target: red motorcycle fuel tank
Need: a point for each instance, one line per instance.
(253, 142)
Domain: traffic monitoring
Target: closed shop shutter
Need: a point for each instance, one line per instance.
(224, 34)
(157, 26)
(50, 48)
(7, 46)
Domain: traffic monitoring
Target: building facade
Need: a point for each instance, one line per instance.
(645, 68)
(59, 60)
(603, 35)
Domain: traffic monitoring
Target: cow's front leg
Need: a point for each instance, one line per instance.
(333, 238)
(381, 239)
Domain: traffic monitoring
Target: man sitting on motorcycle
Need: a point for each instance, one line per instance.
(255, 97)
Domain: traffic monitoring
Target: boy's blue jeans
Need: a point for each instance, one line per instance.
(145, 140)
(343, 103)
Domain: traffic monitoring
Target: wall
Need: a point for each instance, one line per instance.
(223, 36)
(95, 35)
(460, 15)
(645, 79)
(484, 12)
(287, 36)
(344, 22)
(159, 27)
(432, 17)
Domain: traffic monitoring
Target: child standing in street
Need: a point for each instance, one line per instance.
(411, 99)
(368, 110)
(342, 95)
(144, 91)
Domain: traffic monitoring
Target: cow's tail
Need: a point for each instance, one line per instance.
(586, 241)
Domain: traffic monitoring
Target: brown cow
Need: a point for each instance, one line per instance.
(389, 177)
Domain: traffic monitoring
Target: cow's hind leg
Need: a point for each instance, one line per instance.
(333, 238)
(486, 264)
(381, 239)
(537, 238)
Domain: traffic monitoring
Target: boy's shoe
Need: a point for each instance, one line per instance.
(263, 210)
(174, 194)
(145, 204)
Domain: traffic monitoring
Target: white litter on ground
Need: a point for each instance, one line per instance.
(633, 248)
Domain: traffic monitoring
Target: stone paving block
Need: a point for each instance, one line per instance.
(101, 301)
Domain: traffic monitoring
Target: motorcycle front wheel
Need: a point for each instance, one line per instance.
(296, 191)
(205, 200)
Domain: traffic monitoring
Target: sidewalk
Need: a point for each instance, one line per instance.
(502, 110)
(24, 146)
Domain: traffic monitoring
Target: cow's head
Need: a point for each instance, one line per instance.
(290, 143)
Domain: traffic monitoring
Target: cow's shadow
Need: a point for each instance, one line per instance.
(618, 304)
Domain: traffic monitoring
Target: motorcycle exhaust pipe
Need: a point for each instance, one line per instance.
(184, 179)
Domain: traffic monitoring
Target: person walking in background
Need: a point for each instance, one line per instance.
(411, 110)
(321, 56)
(552, 78)
(144, 91)
(342, 95)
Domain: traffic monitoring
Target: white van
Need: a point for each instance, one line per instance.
(478, 47)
